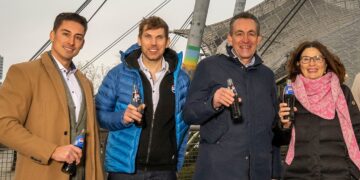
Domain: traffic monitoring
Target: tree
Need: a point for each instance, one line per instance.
(96, 73)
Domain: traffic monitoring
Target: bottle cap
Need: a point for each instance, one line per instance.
(288, 81)
(230, 82)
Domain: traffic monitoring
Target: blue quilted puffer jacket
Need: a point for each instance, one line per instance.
(112, 99)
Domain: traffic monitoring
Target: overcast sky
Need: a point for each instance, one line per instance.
(26, 24)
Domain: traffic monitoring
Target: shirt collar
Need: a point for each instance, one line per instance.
(164, 65)
(72, 70)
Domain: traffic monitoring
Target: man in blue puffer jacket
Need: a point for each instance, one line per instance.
(148, 140)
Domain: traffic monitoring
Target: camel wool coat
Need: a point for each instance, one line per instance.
(34, 120)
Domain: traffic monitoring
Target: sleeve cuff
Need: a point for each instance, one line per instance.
(216, 110)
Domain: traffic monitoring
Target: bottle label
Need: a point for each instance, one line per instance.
(79, 141)
(136, 99)
(289, 99)
(233, 89)
(288, 90)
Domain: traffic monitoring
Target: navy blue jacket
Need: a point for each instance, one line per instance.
(112, 99)
(233, 150)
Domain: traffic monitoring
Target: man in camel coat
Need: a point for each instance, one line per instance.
(45, 104)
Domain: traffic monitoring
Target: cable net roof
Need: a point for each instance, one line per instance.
(336, 23)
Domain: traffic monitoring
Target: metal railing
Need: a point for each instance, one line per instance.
(7, 163)
(8, 157)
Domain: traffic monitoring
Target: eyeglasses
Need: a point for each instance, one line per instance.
(317, 59)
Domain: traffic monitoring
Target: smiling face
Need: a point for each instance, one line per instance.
(244, 39)
(312, 64)
(153, 43)
(67, 41)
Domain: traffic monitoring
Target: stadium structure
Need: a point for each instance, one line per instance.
(287, 23)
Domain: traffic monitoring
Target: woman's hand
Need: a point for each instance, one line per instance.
(284, 110)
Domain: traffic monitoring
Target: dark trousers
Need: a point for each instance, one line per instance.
(144, 175)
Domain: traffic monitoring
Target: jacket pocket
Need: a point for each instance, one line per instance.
(213, 130)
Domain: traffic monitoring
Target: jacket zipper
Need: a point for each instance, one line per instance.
(152, 130)
(150, 141)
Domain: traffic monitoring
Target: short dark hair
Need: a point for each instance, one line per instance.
(245, 15)
(153, 22)
(69, 16)
(333, 62)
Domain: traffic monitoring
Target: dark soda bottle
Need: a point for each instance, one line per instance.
(235, 106)
(136, 101)
(289, 99)
(79, 142)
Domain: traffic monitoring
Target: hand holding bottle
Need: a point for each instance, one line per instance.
(287, 108)
(133, 114)
(223, 97)
(289, 99)
(134, 111)
(68, 153)
(70, 167)
(284, 112)
(228, 97)
(235, 106)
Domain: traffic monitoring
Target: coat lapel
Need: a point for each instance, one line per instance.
(88, 94)
(56, 80)
(92, 137)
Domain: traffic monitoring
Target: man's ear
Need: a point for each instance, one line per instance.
(259, 39)
(82, 44)
(52, 35)
(167, 42)
(138, 41)
(229, 39)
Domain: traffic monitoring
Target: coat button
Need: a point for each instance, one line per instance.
(65, 133)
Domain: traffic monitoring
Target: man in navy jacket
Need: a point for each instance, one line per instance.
(146, 141)
(238, 149)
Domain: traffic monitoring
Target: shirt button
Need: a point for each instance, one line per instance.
(246, 157)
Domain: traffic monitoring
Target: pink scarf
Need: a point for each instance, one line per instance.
(323, 97)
